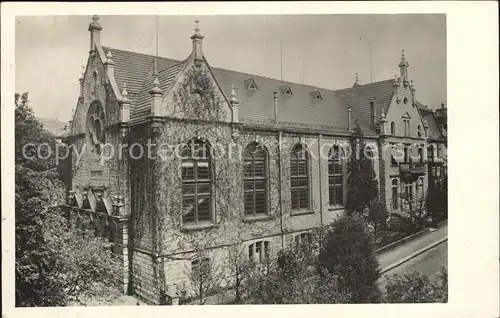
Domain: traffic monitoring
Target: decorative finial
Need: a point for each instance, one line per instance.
(233, 94)
(382, 115)
(356, 79)
(156, 89)
(396, 78)
(82, 75)
(124, 92)
(156, 81)
(109, 55)
(403, 58)
(95, 18)
(197, 26)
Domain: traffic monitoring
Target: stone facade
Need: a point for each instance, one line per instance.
(136, 193)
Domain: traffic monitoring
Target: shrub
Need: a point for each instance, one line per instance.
(416, 288)
(348, 253)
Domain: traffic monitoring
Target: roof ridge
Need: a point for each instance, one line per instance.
(364, 85)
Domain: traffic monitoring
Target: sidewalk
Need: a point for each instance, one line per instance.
(412, 246)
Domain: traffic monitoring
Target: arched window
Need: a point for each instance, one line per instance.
(196, 183)
(370, 155)
(395, 198)
(299, 178)
(393, 128)
(419, 131)
(255, 179)
(96, 136)
(421, 154)
(335, 189)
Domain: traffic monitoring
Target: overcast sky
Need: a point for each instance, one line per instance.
(319, 50)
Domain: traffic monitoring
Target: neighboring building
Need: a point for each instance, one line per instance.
(160, 209)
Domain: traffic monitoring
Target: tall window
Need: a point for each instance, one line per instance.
(393, 128)
(406, 122)
(430, 153)
(408, 186)
(407, 155)
(335, 189)
(196, 183)
(259, 251)
(395, 201)
(438, 155)
(420, 154)
(419, 131)
(255, 182)
(299, 173)
(420, 188)
(94, 84)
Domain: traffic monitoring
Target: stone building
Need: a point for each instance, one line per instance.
(171, 158)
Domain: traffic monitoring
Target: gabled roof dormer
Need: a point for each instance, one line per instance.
(316, 96)
(250, 84)
(286, 90)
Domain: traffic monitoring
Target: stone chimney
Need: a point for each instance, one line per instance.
(95, 32)
(234, 105)
(156, 98)
(124, 105)
(373, 114)
(275, 99)
(349, 119)
(197, 44)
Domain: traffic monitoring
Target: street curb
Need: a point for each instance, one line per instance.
(407, 238)
(401, 241)
(406, 259)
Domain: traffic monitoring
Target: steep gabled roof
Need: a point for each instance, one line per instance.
(256, 106)
(359, 97)
(434, 133)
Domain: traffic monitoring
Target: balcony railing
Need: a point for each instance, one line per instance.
(407, 168)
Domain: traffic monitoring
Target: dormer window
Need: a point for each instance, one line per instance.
(405, 100)
(286, 90)
(250, 84)
(316, 95)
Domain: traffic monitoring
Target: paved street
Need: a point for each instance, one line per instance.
(406, 249)
(429, 262)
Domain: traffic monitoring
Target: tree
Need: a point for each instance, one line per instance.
(55, 264)
(348, 253)
(437, 203)
(377, 213)
(289, 280)
(416, 287)
(204, 275)
(362, 185)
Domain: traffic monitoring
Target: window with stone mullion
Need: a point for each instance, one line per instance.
(196, 190)
(255, 184)
(299, 180)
